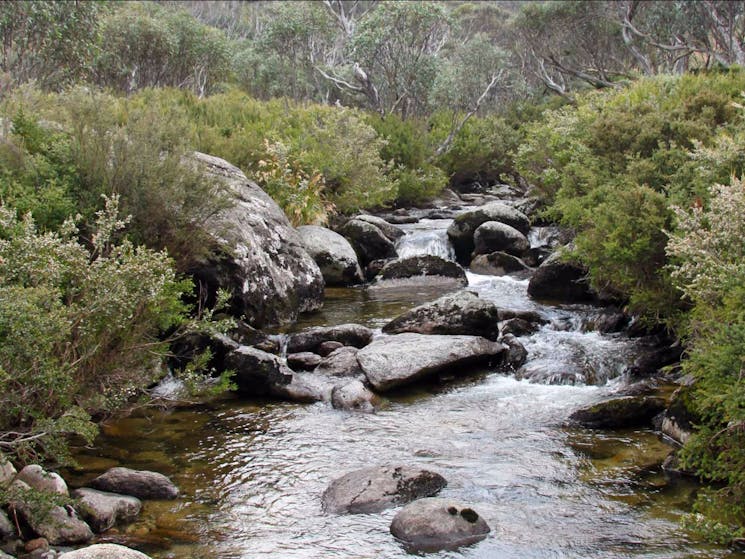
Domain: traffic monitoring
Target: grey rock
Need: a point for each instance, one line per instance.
(493, 236)
(515, 355)
(333, 254)
(142, 484)
(392, 232)
(327, 348)
(392, 361)
(422, 265)
(104, 551)
(7, 529)
(368, 241)
(627, 411)
(378, 488)
(458, 313)
(7, 471)
(264, 265)
(461, 231)
(436, 524)
(346, 334)
(518, 327)
(256, 371)
(340, 363)
(41, 480)
(305, 388)
(560, 281)
(102, 510)
(4, 555)
(498, 264)
(353, 396)
(303, 361)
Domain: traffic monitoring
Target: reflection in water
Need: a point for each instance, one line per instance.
(252, 473)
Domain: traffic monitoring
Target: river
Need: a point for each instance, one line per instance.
(252, 472)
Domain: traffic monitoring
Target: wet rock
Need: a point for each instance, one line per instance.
(493, 236)
(102, 510)
(560, 281)
(374, 267)
(679, 419)
(37, 544)
(672, 466)
(104, 551)
(459, 313)
(422, 265)
(256, 371)
(461, 231)
(59, 525)
(392, 361)
(519, 327)
(391, 232)
(48, 482)
(368, 241)
(305, 388)
(311, 339)
(434, 524)
(328, 347)
(402, 219)
(333, 254)
(353, 396)
(303, 361)
(649, 363)
(534, 317)
(137, 483)
(515, 355)
(340, 363)
(378, 488)
(7, 529)
(263, 263)
(609, 322)
(498, 264)
(618, 413)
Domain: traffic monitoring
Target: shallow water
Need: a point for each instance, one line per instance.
(252, 473)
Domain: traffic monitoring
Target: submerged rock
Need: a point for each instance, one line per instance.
(618, 413)
(393, 361)
(333, 254)
(516, 355)
(422, 265)
(102, 510)
(142, 484)
(437, 524)
(263, 263)
(461, 231)
(378, 488)
(104, 551)
(311, 339)
(459, 313)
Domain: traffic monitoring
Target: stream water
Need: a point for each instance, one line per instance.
(252, 473)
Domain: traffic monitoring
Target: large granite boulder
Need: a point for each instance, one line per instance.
(346, 334)
(392, 232)
(560, 281)
(618, 413)
(263, 262)
(392, 361)
(102, 510)
(458, 313)
(333, 254)
(137, 483)
(104, 551)
(256, 371)
(378, 488)
(461, 231)
(434, 524)
(368, 241)
(493, 236)
(420, 266)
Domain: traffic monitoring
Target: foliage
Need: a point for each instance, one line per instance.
(78, 326)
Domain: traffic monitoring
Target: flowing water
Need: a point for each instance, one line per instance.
(252, 473)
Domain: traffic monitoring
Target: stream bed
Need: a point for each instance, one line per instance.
(252, 472)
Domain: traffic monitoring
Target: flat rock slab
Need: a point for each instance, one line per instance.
(435, 524)
(392, 361)
(137, 483)
(628, 411)
(104, 551)
(378, 488)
